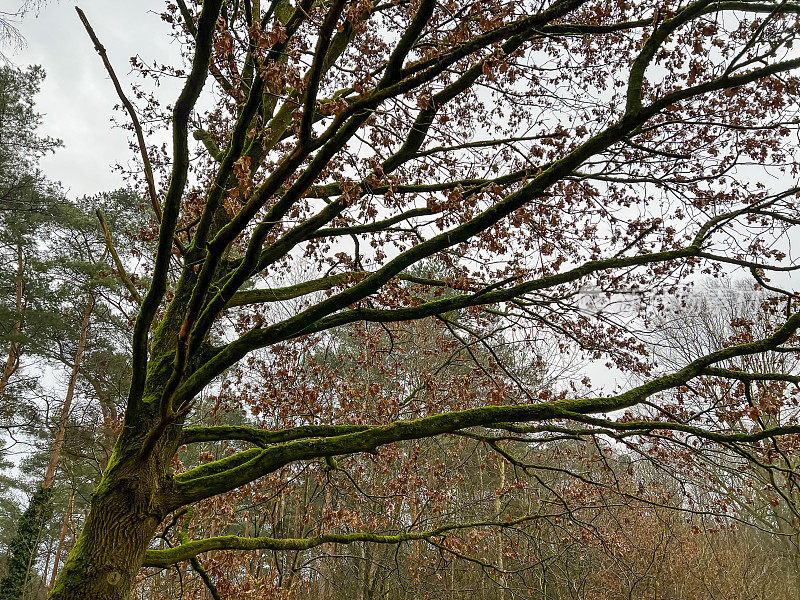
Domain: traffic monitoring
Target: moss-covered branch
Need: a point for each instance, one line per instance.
(744, 376)
(293, 291)
(200, 483)
(318, 68)
(298, 290)
(172, 202)
(191, 549)
(262, 437)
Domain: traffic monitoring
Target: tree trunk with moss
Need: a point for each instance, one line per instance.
(107, 556)
(133, 497)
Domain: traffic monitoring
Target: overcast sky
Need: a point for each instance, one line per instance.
(77, 98)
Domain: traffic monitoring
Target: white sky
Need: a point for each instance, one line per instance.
(77, 97)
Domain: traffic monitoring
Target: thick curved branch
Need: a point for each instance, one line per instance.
(317, 68)
(172, 201)
(266, 295)
(202, 482)
(262, 437)
(191, 549)
(662, 32)
(293, 291)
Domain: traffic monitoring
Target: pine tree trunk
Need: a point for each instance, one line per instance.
(46, 570)
(61, 537)
(55, 453)
(501, 593)
(24, 546)
(40, 509)
(14, 350)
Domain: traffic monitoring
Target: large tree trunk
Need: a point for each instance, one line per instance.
(133, 497)
(126, 509)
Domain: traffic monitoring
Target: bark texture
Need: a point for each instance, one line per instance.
(125, 511)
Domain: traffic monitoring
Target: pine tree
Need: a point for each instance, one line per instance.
(26, 198)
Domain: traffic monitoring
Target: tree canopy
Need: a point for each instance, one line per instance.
(399, 219)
